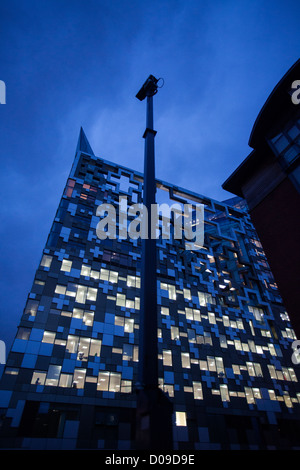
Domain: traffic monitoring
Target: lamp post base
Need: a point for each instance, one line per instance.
(153, 420)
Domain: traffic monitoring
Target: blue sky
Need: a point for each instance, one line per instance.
(72, 63)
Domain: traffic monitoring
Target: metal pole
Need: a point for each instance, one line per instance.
(148, 375)
(154, 410)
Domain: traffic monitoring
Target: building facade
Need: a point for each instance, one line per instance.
(269, 180)
(224, 336)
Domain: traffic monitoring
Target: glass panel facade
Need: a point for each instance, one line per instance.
(218, 307)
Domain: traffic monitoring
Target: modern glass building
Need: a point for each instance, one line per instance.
(224, 336)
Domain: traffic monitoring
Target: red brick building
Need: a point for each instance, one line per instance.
(269, 180)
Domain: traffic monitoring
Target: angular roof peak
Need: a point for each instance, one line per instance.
(83, 144)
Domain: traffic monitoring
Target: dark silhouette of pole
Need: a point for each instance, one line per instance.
(154, 410)
(148, 375)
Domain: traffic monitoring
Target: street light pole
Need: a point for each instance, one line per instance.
(154, 410)
(148, 374)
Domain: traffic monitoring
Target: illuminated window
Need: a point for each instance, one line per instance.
(23, 333)
(211, 318)
(167, 358)
(251, 370)
(48, 337)
(137, 303)
(224, 392)
(83, 293)
(31, 307)
(38, 378)
(272, 372)
(126, 386)
(104, 274)
(59, 289)
(133, 281)
(272, 349)
(135, 353)
(85, 271)
(128, 325)
(11, 371)
(258, 370)
(72, 344)
(257, 312)
(69, 187)
(109, 381)
(197, 389)
(287, 400)
(88, 318)
(78, 313)
(103, 381)
(174, 332)
(196, 313)
(220, 366)
(46, 261)
(91, 294)
(83, 349)
(211, 364)
(180, 418)
(119, 321)
(95, 274)
(164, 310)
(170, 289)
(79, 378)
(256, 393)
(95, 347)
(53, 375)
(292, 374)
(187, 294)
(251, 328)
(284, 316)
(205, 298)
(189, 313)
(272, 395)
(121, 300)
(249, 395)
(129, 303)
(65, 380)
(185, 360)
(66, 265)
(113, 276)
